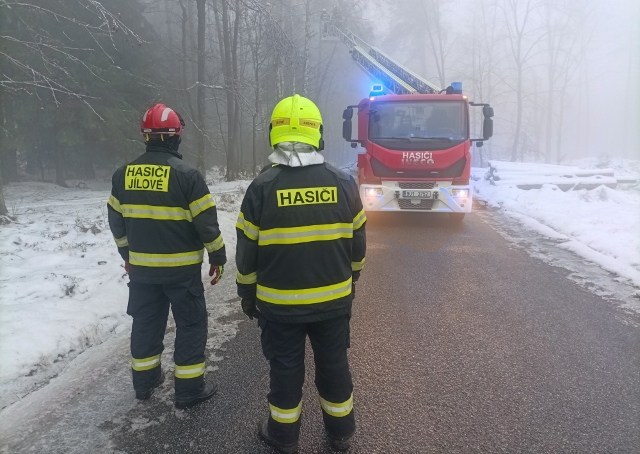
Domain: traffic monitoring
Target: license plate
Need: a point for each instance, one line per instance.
(416, 194)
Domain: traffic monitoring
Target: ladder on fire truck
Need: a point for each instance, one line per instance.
(395, 77)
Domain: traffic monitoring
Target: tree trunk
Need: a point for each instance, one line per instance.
(3, 205)
(89, 169)
(230, 38)
(587, 107)
(202, 5)
(237, 117)
(559, 156)
(549, 115)
(253, 146)
(168, 11)
(230, 92)
(516, 136)
(305, 55)
(221, 50)
(553, 42)
(185, 53)
(9, 161)
(60, 166)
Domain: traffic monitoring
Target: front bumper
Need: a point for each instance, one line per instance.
(446, 198)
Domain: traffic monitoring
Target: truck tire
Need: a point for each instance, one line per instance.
(456, 217)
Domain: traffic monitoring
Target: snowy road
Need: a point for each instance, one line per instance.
(463, 340)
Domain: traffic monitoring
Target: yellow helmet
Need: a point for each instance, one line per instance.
(296, 119)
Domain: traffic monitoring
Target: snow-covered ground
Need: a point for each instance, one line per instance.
(63, 286)
(600, 225)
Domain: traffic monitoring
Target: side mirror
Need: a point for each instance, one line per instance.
(346, 129)
(479, 144)
(487, 111)
(347, 114)
(487, 128)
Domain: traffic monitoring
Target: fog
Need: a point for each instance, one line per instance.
(601, 101)
(563, 81)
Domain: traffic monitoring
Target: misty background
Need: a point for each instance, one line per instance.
(76, 77)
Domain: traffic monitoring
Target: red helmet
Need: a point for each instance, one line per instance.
(161, 119)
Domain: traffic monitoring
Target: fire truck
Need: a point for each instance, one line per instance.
(415, 135)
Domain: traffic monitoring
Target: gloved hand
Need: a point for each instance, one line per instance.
(249, 307)
(353, 291)
(216, 271)
(126, 266)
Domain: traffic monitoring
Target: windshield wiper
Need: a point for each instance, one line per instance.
(408, 139)
(433, 138)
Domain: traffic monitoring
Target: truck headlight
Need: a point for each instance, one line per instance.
(461, 193)
(373, 192)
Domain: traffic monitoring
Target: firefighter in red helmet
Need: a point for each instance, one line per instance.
(163, 217)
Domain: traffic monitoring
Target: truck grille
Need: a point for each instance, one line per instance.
(415, 185)
(425, 204)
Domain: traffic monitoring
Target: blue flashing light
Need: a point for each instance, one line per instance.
(376, 90)
(457, 88)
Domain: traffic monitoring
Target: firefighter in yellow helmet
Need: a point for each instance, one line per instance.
(301, 247)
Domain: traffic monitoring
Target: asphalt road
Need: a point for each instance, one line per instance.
(460, 343)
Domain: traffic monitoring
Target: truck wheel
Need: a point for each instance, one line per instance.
(456, 217)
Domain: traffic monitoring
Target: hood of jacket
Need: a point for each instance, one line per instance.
(295, 154)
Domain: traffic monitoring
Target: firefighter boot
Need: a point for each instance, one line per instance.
(208, 391)
(340, 444)
(284, 448)
(145, 394)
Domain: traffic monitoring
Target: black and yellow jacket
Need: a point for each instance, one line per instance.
(301, 242)
(162, 217)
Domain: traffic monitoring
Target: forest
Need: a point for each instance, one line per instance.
(76, 75)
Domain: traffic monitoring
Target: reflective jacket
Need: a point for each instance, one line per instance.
(162, 217)
(301, 242)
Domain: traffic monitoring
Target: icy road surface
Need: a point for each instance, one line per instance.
(471, 345)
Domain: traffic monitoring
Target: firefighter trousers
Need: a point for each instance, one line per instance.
(283, 345)
(149, 306)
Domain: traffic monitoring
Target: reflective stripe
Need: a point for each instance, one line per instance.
(145, 363)
(250, 278)
(165, 114)
(249, 229)
(305, 234)
(287, 416)
(357, 266)
(159, 213)
(121, 242)
(203, 203)
(115, 204)
(359, 220)
(215, 245)
(165, 260)
(192, 371)
(304, 296)
(337, 410)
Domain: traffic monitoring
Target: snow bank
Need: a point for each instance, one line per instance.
(63, 286)
(533, 176)
(600, 224)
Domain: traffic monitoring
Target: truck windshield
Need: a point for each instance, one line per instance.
(418, 121)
